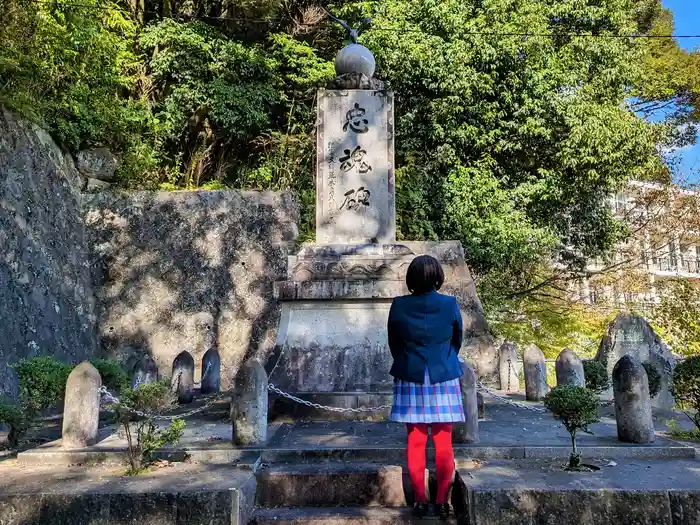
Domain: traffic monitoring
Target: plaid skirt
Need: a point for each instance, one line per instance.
(427, 403)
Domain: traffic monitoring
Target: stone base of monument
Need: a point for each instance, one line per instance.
(332, 344)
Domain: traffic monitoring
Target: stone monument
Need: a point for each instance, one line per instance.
(331, 345)
(630, 334)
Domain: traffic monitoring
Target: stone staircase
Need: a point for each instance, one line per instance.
(334, 493)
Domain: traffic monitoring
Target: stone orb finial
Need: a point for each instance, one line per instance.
(355, 58)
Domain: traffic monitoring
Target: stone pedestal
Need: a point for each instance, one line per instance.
(332, 343)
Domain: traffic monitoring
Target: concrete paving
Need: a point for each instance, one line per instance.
(506, 432)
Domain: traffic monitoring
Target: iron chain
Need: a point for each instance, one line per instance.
(276, 390)
(508, 401)
(113, 400)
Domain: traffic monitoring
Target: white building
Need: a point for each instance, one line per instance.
(665, 243)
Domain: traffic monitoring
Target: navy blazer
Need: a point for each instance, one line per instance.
(425, 331)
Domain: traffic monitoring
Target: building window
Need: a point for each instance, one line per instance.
(673, 256)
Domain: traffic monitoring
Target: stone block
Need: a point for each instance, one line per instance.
(508, 367)
(182, 378)
(468, 432)
(583, 507)
(535, 372)
(331, 484)
(249, 405)
(211, 372)
(97, 163)
(355, 139)
(96, 185)
(632, 334)
(635, 423)
(685, 507)
(569, 369)
(81, 408)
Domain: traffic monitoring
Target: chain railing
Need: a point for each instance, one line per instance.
(108, 399)
(273, 388)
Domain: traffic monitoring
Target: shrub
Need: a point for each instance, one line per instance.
(597, 378)
(686, 388)
(12, 416)
(137, 412)
(576, 407)
(113, 375)
(654, 379)
(676, 431)
(42, 382)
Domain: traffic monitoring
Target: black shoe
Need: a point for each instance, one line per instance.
(420, 509)
(442, 510)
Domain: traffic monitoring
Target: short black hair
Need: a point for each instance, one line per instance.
(424, 275)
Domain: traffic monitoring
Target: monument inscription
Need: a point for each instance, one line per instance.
(355, 170)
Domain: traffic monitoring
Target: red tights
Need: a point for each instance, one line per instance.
(444, 458)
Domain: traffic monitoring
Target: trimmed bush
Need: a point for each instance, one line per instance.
(42, 382)
(576, 407)
(12, 416)
(597, 378)
(654, 379)
(113, 375)
(686, 388)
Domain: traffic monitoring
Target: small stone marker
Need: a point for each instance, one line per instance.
(182, 380)
(145, 371)
(211, 372)
(535, 374)
(249, 405)
(507, 365)
(81, 411)
(632, 402)
(468, 432)
(569, 369)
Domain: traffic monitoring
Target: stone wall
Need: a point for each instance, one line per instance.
(178, 271)
(45, 291)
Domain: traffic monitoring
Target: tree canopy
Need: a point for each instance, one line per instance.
(515, 119)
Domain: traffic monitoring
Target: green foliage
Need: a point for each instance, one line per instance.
(654, 379)
(137, 412)
(74, 70)
(686, 387)
(675, 430)
(577, 408)
(511, 145)
(552, 325)
(12, 416)
(113, 375)
(597, 378)
(676, 318)
(42, 382)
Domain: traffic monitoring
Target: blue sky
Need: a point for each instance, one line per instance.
(687, 19)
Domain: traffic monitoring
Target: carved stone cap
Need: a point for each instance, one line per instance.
(327, 251)
(356, 81)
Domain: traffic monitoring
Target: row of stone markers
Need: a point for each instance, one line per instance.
(632, 401)
(249, 398)
(182, 378)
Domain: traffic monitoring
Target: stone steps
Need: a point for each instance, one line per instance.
(333, 483)
(340, 516)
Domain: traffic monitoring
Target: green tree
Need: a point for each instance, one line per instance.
(516, 141)
(677, 315)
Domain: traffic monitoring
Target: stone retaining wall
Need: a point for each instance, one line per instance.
(46, 297)
(178, 271)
